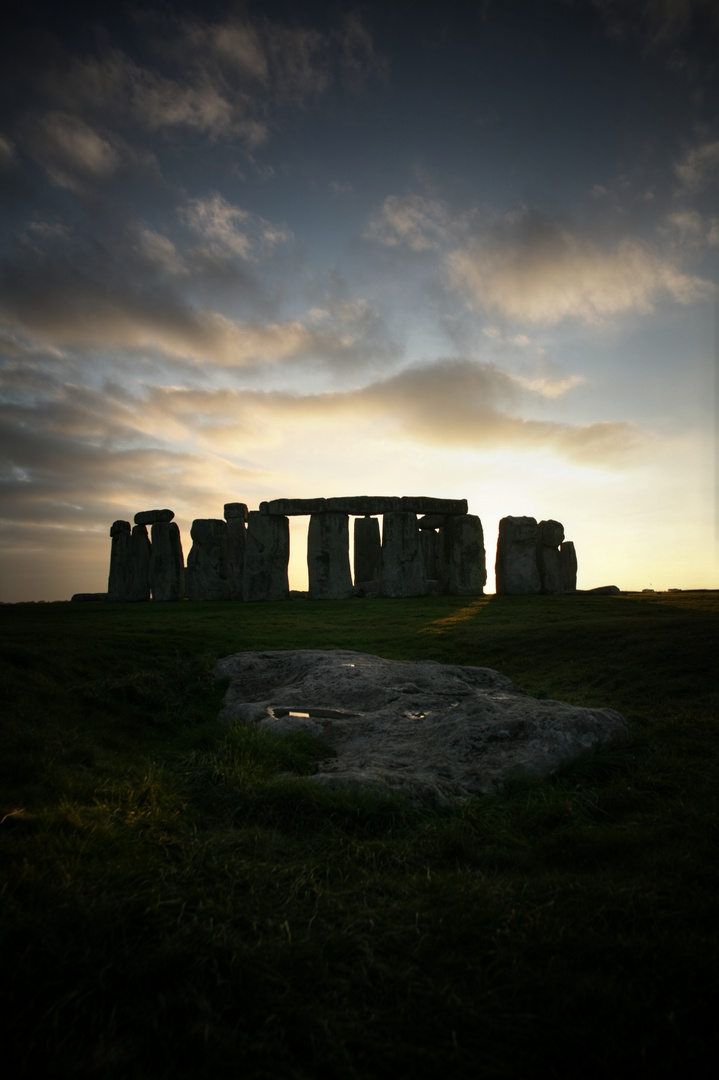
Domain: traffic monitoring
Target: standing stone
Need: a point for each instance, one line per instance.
(568, 566)
(429, 539)
(402, 570)
(368, 549)
(550, 534)
(207, 574)
(167, 571)
(141, 550)
(236, 540)
(236, 510)
(328, 557)
(120, 577)
(267, 553)
(462, 563)
(516, 565)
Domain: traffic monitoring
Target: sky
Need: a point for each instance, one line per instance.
(264, 250)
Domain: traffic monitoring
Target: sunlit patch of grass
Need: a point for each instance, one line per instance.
(448, 622)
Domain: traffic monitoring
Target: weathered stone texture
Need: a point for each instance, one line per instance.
(462, 563)
(119, 580)
(516, 564)
(167, 570)
(367, 550)
(568, 566)
(236, 540)
(402, 571)
(207, 573)
(141, 551)
(435, 732)
(79, 597)
(550, 535)
(328, 560)
(235, 510)
(429, 539)
(153, 517)
(267, 553)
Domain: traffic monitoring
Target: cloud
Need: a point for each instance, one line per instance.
(411, 221)
(229, 230)
(699, 168)
(659, 22)
(64, 289)
(222, 79)
(449, 404)
(69, 150)
(539, 271)
(7, 152)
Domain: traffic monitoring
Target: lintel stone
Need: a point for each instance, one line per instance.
(360, 505)
(153, 517)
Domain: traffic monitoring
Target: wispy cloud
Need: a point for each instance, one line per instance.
(699, 168)
(229, 230)
(412, 221)
(222, 79)
(452, 403)
(539, 271)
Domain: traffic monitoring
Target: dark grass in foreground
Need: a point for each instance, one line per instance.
(172, 905)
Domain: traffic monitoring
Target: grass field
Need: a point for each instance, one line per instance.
(173, 907)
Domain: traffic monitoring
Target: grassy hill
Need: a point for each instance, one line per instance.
(174, 905)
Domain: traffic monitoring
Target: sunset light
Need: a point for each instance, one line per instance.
(272, 250)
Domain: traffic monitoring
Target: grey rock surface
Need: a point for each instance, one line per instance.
(80, 597)
(235, 510)
(516, 563)
(119, 582)
(461, 563)
(402, 567)
(432, 731)
(141, 551)
(167, 568)
(153, 517)
(267, 554)
(550, 535)
(207, 573)
(367, 550)
(328, 557)
(568, 566)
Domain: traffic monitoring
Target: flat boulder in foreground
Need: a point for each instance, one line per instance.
(432, 731)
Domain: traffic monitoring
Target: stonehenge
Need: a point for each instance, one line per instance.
(401, 565)
(328, 557)
(167, 568)
(267, 555)
(426, 546)
(532, 557)
(207, 576)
